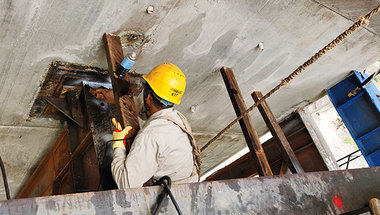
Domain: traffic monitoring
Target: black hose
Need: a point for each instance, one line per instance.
(5, 180)
(165, 192)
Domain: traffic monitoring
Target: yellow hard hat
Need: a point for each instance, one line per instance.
(167, 81)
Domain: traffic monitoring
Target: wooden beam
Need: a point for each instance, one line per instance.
(286, 151)
(299, 139)
(126, 111)
(246, 124)
(283, 168)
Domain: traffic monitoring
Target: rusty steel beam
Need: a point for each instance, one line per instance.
(61, 78)
(41, 181)
(246, 123)
(99, 112)
(286, 151)
(125, 106)
(334, 192)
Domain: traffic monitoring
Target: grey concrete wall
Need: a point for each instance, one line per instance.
(198, 36)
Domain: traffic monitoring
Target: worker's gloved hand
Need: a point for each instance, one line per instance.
(119, 133)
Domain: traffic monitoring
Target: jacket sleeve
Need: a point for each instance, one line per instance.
(140, 164)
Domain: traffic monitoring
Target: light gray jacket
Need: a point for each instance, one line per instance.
(160, 148)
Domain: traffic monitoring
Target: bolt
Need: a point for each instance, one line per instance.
(193, 108)
(261, 46)
(150, 9)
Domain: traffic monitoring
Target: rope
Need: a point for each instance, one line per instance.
(363, 20)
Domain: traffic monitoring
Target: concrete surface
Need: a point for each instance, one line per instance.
(198, 36)
(21, 151)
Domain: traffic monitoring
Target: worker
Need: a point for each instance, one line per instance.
(165, 145)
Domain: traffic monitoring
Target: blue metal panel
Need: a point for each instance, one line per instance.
(360, 114)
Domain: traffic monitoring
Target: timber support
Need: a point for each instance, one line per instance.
(246, 124)
(286, 150)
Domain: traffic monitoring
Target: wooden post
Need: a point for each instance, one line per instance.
(246, 124)
(126, 111)
(278, 135)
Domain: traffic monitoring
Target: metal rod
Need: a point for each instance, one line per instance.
(173, 200)
(347, 155)
(5, 180)
(350, 160)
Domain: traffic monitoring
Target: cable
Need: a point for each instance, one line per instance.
(5, 180)
(105, 151)
(165, 192)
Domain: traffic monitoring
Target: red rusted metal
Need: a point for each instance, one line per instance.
(55, 160)
(60, 78)
(125, 105)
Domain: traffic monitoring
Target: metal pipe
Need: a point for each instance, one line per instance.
(5, 179)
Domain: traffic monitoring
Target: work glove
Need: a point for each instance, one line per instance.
(118, 134)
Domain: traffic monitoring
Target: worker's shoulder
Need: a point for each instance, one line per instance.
(161, 123)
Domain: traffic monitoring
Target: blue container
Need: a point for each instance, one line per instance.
(360, 114)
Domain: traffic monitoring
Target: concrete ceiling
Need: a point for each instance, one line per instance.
(198, 36)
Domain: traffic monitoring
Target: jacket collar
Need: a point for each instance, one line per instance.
(159, 113)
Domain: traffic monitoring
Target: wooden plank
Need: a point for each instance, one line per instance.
(283, 168)
(286, 151)
(126, 110)
(246, 124)
(299, 139)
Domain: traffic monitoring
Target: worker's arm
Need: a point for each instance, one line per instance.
(140, 164)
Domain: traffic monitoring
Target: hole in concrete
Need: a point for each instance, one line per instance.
(131, 39)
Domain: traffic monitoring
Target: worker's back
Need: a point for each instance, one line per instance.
(174, 153)
(160, 148)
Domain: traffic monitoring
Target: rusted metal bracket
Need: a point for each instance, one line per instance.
(334, 192)
(61, 106)
(246, 124)
(286, 150)
(125, 106)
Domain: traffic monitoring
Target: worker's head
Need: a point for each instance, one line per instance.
(165, 86)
